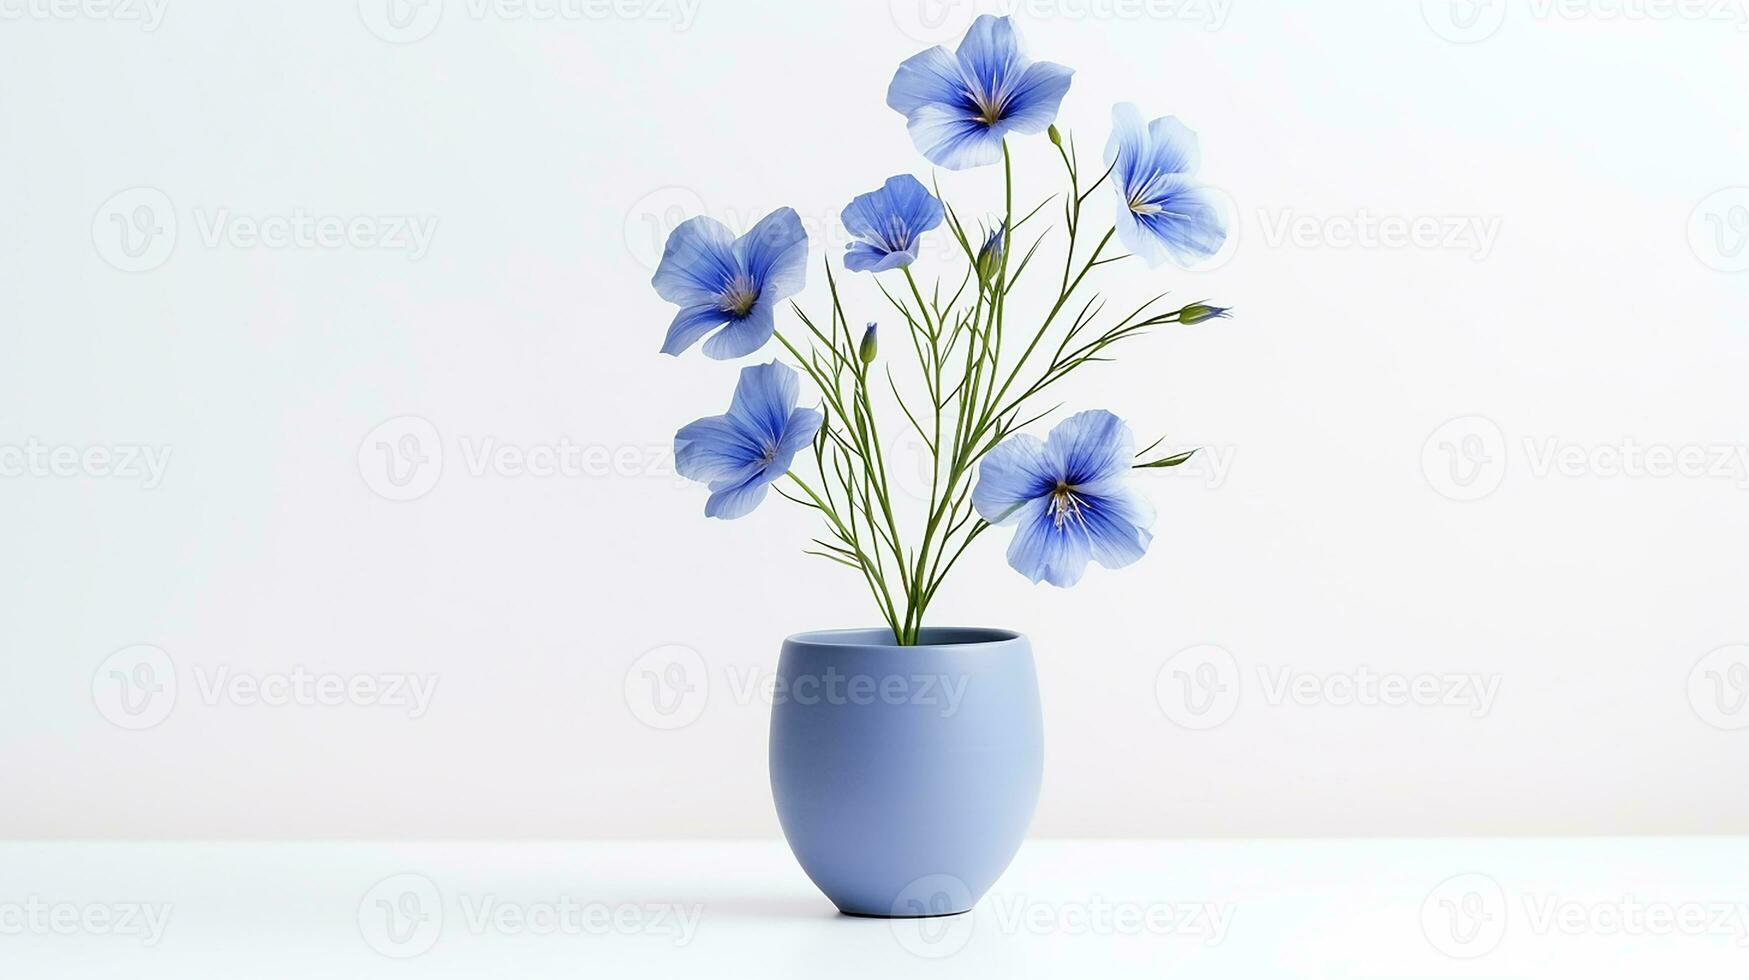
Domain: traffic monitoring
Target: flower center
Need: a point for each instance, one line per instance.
(989, 105)
(739, 297)
(1146, 207)
(1066, 506)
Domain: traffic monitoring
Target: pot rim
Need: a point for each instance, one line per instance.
(930, 638)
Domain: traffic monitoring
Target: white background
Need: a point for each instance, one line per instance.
(1599, 308)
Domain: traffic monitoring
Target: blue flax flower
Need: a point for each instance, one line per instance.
(890, 223)
(1161, 210)
(958, 106)
(740, 454)
(734, 283)
(1068, 497)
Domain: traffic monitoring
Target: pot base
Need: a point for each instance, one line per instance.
(877, 915)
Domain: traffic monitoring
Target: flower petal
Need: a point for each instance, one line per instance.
(775, 254)
(1188, 225)
(714, 449)
(764, 396)
(989, 54)
(1134, 237)
(1013, 474)
(954, 138)
(698, 261)
(929, 77)
(863, 257)
(916, 209)
(746, 335)
(1045, 551)
(691, 323)
(798, 433)
(736, 501)
(1036, 96)
(1175, 146)
(1117, 521)
(1089, 447)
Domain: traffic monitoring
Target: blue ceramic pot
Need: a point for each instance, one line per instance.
(905, 777)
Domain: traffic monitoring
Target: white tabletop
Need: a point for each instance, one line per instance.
(1427, 908)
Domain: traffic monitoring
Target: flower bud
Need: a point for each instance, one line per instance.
(1198, 312)
(1056, 137)
(869, 345)
(990, 256)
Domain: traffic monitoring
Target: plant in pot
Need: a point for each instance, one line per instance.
(906, 758)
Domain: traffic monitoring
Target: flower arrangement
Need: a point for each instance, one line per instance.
(1067, 496)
